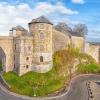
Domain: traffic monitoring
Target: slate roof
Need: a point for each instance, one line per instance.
(18, 28)
(41, 19)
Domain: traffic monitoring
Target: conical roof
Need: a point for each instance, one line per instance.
(41, 19)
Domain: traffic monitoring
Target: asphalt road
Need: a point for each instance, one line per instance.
(78, 91)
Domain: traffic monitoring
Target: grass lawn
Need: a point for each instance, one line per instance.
(35, 84)
(0, 66)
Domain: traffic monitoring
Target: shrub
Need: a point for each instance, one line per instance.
(88, 68)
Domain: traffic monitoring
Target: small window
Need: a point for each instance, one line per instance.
(41, 47)
(27, 58)
(41, 35)
(15, 46)
(27, 66)
(14, 65)
(41, 58)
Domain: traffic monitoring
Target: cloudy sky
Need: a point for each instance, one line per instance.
(20, 12)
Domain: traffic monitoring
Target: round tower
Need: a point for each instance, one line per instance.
(41, 29)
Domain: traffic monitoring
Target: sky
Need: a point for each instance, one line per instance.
(72, 12)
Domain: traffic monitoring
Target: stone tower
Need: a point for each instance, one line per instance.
(41, 29)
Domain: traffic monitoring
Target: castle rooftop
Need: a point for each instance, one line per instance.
(18, 28)
(41, 19)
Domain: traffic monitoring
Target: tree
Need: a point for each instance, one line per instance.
(63, 27)
(64, 60)
(72, 54)
(80, 29)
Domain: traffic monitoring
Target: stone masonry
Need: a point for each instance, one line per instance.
(24, 51)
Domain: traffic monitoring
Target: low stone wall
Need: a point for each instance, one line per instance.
(42, 68)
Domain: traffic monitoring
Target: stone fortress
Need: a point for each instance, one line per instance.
(23, 51)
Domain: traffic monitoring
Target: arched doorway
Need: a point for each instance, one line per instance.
(2, 59)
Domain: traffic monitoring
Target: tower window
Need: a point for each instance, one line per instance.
(15, 46)
(27, 66)
(41, 58)
(41, 47)
(41, 35)
(27, 58)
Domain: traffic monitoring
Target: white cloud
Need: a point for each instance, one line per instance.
(47, 8)
(78, 1)
(21, 14)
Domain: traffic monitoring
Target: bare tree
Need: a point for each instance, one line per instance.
(80, 29)
(63, 27)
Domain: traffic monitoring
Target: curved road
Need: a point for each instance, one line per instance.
(77, 91)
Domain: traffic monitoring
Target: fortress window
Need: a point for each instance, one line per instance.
(14, 65)
(41, 35)
(41, 48)
(41, 58)
(27, 58)
(27, 66)
(15, 46)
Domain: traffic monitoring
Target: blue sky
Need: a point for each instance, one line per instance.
(15, 12)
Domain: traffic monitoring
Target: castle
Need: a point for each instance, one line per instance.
(23, 51)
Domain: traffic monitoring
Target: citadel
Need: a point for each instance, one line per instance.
(23, 51)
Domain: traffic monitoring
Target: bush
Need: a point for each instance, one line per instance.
(87, 58)
(88, 68)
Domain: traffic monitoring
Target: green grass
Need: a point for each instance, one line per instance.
(35, 83)
(88, 68)
(0, 66)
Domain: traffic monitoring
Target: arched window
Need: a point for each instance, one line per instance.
(41, 35)
(41, 58)
(41, 47)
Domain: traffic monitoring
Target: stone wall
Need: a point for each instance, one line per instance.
(93, 50)
(6, 43)
(78, 42)
(23, 54)
(60, 40)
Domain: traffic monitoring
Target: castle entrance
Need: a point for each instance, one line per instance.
(2, 59)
